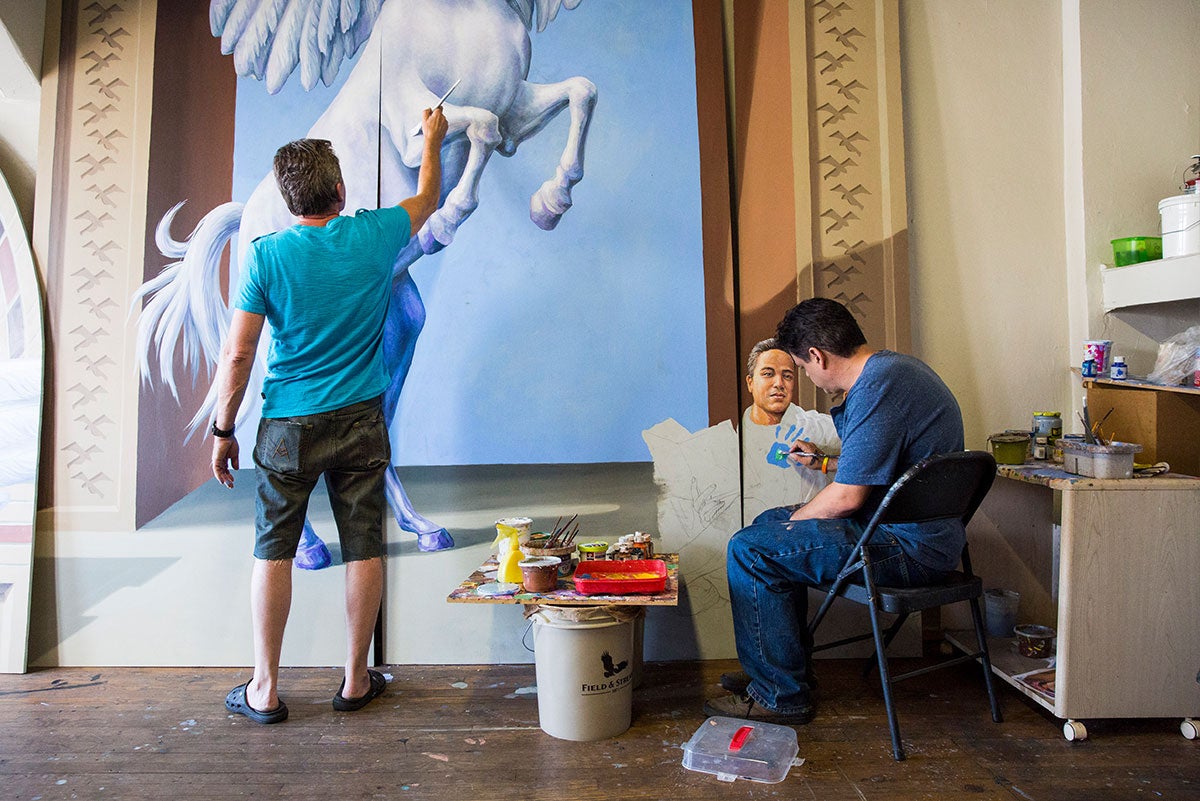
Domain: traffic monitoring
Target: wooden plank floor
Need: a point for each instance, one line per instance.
(471, 732)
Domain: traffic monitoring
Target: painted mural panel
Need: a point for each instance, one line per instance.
(535, 319)
(20, 427)
(537, 346)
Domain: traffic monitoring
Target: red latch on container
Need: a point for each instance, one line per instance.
(740, 737)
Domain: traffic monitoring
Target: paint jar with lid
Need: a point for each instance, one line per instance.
(1041, 448)
(1047, 424)
(1088, 370)
(593, 550)
(1119, 372)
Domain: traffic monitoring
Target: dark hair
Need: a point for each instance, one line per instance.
(308, 173)
(759, 350)
(819, 323)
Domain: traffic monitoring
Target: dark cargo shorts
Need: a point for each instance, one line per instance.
(350, 447)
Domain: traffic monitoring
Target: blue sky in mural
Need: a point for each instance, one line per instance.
(560, 346)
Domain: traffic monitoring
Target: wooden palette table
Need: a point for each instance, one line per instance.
(565, 594)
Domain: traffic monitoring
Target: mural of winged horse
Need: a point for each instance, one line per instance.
(415, 51)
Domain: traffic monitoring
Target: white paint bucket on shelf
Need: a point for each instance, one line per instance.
(1180, 225)
(584, 662)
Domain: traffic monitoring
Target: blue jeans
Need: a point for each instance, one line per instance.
(350, 447)
(771, 564)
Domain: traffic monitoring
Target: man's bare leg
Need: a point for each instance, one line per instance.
(364, 592)
(270, 601)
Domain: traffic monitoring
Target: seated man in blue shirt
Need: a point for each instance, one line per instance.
(896, 411)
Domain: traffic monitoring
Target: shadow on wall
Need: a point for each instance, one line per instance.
(86, 581)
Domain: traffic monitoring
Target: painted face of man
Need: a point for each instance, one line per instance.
(773, 384)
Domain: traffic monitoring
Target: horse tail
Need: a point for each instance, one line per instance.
(183, 308)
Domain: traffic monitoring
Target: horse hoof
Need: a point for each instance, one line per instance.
(436, 234)
(548, 205)
(438, 540)
(313, 557)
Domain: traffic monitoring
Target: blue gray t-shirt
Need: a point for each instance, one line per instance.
(325, 292)
(897, 413)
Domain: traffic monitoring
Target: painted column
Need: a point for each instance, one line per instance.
(89, 235)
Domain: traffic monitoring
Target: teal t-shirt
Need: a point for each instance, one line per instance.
(324, 291)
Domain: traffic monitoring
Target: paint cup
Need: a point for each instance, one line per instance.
(1035, 642)
(592, 550)
(1000, 611)
(521, 524)
(1098, 350)
(540, 573)
(565, 554)
(1009, 447)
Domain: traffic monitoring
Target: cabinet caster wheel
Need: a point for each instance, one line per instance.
(1074, 730)
(1190, 729)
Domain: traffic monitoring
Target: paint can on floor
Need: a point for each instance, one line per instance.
(1000, 611)
(584, 662)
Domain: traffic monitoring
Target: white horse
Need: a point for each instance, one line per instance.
(416, 50)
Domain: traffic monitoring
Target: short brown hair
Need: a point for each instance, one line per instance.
(308, 173)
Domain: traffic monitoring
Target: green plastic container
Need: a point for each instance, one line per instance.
(1009, 448)
(1134, 249)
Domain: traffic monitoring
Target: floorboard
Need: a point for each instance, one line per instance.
(471, 732)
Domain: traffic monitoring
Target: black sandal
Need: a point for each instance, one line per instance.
(237, 703)
(378, 685)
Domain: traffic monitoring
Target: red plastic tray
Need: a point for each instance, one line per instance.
(596, 576)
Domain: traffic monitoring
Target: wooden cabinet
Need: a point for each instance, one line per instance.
(1114, 565)
(1165, 421)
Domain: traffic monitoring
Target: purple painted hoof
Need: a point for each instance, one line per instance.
(313, 557)
(432, 243)
(438, 540)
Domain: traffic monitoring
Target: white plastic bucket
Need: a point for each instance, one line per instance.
(584, 662)
(1180, 225)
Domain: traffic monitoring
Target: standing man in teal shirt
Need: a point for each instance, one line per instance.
(323, 285)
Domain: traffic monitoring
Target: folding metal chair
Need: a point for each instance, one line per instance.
(941, 487)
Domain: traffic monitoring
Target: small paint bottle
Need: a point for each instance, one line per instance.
(1118, 372)
(1089, 368)
(1041, 447)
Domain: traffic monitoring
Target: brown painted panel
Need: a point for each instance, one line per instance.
(720, 321)
(765, 203)
(191, 156)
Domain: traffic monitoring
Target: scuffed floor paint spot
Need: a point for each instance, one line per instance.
(460, 685)
(531, 690)
(438, 757)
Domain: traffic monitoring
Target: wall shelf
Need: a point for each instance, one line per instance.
(1159, 281)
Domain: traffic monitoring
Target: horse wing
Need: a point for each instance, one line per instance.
(270, 38)
(546, 10)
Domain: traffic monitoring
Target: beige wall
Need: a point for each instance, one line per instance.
(984, 144)
(1140, 123)
(1036, 133)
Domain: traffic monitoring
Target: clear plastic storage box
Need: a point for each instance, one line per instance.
(731, 748)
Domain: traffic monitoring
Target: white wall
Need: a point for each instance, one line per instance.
(983, 138)
(1140, 123)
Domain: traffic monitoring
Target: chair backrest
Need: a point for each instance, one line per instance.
(942, 487)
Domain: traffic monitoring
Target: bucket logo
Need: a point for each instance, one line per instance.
(610, 669)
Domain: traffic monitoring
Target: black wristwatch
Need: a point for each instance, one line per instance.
(220, 433)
